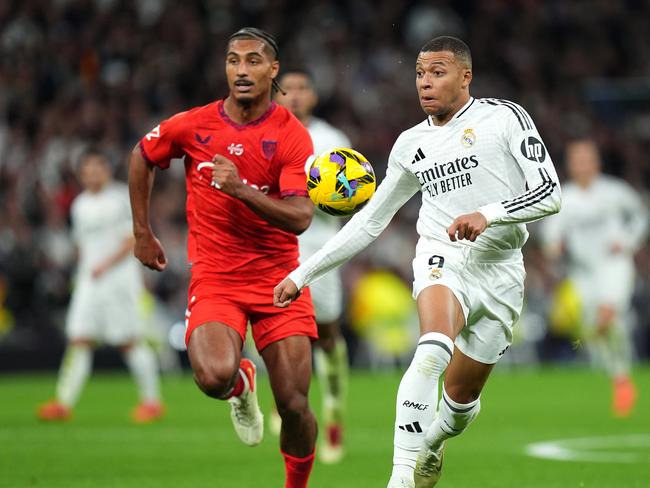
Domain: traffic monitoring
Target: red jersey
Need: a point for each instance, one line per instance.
(227, 240)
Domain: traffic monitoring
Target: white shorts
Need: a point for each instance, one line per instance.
(105, 312)
(327, 292)
(326, 295)
(489, 286)
(610, 284)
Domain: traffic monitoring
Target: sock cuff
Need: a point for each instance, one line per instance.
(458, 407)
(437, 339)
(296, 460)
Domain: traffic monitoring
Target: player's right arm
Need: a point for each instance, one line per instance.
(147, 247)
(393, 192)
(157, 148)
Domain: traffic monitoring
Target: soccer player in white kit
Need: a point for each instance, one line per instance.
(108, 286)
(602, 225)
(330, 354)
(483, 172)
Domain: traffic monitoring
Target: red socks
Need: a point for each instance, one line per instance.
(238, 389)
(297, 470)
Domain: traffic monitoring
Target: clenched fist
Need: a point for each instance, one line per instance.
(285, 293)
(225, 176)
(150, 252)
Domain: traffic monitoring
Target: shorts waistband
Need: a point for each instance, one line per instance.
(494, 256)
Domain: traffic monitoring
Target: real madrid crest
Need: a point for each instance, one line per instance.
(436, 274)
(468, 138)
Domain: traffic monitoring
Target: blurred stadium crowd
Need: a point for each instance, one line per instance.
(75, 73)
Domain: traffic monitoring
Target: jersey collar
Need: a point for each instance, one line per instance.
(458, 115)
(252, 123)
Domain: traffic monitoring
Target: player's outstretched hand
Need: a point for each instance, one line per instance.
(468, 226)
(150, 252)
(285, 293)
(225, 176)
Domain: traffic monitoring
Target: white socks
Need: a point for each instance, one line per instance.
(73, 374)
(332, 372)
(141, 361)
(417, 397)
(453, 418)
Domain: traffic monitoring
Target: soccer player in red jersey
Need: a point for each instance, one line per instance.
(246, 202)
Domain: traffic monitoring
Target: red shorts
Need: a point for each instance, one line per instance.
(235, 305)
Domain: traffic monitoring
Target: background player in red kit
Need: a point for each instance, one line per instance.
(246, 201)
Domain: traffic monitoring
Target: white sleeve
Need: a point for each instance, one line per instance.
(543, 196)
(636, 215)
(393, 192)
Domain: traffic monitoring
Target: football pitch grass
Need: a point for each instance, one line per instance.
(195, 445)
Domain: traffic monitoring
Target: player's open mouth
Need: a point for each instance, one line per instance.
(243, 85)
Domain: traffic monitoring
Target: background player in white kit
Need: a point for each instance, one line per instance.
(330, 354)
(108, 286)
(602, 225)
(483, 172)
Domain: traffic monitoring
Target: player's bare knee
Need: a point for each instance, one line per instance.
(293, 406)
(215, 380)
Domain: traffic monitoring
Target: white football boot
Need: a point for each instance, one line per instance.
(428, 468)
(245, 412)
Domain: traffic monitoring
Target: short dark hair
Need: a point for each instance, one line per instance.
(298, 70)
(90, 153)
(260, 35)
(452, 44)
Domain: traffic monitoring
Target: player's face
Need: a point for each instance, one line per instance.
(250, 70)
(300, 96)
(440, 80)
(583, 161)
(94, 174)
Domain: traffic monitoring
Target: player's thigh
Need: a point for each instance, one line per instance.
(288, 362)
(215, 334)
(270, 324)
(327, 297)
(440, 311)
(214, 351)
(83, 318)
(439, 290)
(465, 377)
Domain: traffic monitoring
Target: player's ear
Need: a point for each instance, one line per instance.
(467, 78)
(275, 68)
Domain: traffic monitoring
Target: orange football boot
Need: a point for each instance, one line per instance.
(624, 396)
(53, 411)
(147, 412)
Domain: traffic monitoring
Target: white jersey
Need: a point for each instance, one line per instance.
(100, 224)
(489, 157)
(600, 228)
(607, 214)
(323, 226)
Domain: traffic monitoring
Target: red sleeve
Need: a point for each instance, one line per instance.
(297, 147)
(164, 142)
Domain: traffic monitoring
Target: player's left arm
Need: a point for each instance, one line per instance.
(125, 249)
(126, 246)
(636, 219)
(543, 197)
